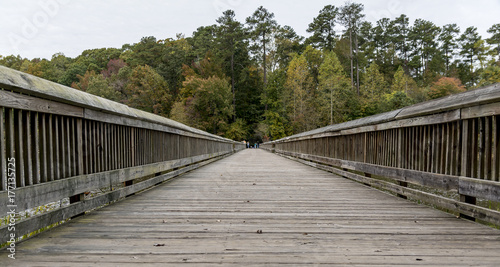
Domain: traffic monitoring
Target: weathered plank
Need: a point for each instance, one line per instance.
(211, 216)
(25, 102)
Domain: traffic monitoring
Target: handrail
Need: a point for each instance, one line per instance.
(449, 144)
(57, 142)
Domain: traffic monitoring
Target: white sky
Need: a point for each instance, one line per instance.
(41, 28)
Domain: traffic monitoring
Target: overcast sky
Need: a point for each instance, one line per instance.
(41, 28)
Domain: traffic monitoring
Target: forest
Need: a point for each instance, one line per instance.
(257, 80)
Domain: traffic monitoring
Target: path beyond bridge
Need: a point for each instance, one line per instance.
(255, 208)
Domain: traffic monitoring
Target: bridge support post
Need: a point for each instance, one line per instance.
(128, 183)
(74, 199)
(469, 200)
(403, 184)
(369, 175)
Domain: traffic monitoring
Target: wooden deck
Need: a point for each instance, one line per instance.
(255, 208)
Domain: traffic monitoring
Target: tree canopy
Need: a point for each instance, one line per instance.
(258, 80)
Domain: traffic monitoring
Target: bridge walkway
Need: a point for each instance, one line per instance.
(255, 208)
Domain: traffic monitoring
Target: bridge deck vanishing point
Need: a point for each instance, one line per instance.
(257, 208)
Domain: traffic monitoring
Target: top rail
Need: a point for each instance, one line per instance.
(449, 144)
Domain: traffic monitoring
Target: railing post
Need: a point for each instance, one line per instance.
(468, 200)
(403, 184)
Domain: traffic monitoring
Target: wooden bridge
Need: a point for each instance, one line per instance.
(156, 192)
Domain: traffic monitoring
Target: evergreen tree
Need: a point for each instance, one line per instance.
(495, 38)
(323, 28)
(447, 38)
(351, 18)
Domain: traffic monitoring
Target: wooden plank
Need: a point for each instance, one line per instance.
(495, 149)
(134, 122)
(479, 188)
(480, 148)
(30, 103)
(485, 110)
(10, 137)
(68, 150)
(20, 150)
(487, 145)
(74, 147)
(57, 149)
(63, 147)
(36, 150)
(466, 149)
(51, 165)
(3, 150)
(485, 95)
(475, 145)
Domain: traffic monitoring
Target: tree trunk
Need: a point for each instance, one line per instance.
(232, 87)
(352, 63)
(265, 68)
(357, 63)
(331, 105)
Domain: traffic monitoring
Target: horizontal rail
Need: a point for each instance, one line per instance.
(57, 142)
(449, 144)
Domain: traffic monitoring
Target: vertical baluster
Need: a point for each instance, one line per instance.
(20, 172)
(3, 150)
(495, 148)
(488, 144)
(36, 149)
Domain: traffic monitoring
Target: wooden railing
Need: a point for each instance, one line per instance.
(58, 143)
(444, 152)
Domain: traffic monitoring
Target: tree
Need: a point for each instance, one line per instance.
(495, 38)
(174, 55)
(202, 41)
(446, 86)
(468, 42)
(13, 62)
(70, 76)
(206, 103)
(148, 91)
(146, 52)
(230, 36)
(424, 36)
(402, 82)
(394, 100)
(323, 28)
(374, 87)
(447, 38)
(286, 43)
(351, 18)
(261, 25)
(298, 96)
(400, 29)
(332, 81)
(98, 86)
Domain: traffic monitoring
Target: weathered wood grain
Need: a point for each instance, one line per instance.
(25, 102)
(3, 151)
(211, 216)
